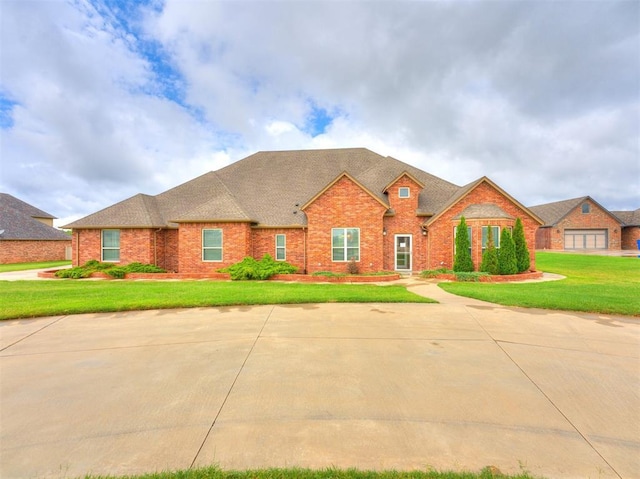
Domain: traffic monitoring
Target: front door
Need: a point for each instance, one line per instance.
(403, 252)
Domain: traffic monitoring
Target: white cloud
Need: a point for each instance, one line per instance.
(543, 97)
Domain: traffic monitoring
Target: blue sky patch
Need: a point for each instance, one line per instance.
(6, 112)
(318, 121)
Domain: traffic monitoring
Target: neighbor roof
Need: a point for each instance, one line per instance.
(553, 213)
(269, 188)
(629, 218)
(18, 220)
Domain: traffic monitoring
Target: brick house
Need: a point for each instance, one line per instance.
(630, 228)
(316, 209)
(27, 234)
(578, 223)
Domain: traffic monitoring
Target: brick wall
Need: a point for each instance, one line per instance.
(264, 241)
(597, 218)
(142, 245)
(345, 205)
(630, 236)
(440, 236)
(405, 222)
(28, 251)
(236, 245)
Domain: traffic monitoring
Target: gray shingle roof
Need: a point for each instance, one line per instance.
(18, 220)
(268, 188)
(552, 213)
(629, 218)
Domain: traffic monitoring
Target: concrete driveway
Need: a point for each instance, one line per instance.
(457, 385)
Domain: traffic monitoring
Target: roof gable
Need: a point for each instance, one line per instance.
(338, 178)
(467, 189)
(553, 213)
(398, 178)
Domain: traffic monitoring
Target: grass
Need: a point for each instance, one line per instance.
(27, 299)
(595, 284)
(7, 268)
(332, 473)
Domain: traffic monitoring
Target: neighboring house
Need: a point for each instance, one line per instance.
(316, 209)
(27, 234)
(630, 228)
(576, 224)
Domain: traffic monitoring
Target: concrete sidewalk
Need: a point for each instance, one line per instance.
(459, 385)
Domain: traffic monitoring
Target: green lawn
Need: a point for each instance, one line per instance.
(216, 473)
(6, 268)
(27, 299)
(598, 284)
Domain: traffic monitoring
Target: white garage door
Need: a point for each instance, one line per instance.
(585, 239)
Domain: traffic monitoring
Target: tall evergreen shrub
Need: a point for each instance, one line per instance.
(490, 262)
(522, 252)
(462, 261)
(507, 254)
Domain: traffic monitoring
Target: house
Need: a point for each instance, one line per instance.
(27, 234)
(316, 209)
(630, 228)
(578, 223)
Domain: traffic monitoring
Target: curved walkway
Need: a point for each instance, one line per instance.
(458, 385)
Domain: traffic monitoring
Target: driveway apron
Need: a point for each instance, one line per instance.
(458, 385)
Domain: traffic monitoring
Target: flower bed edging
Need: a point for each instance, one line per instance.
(304, 278)
(506, 278)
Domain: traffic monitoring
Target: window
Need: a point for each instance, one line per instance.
(485, 237)
(345, 244)
(404, 192)
(281, 247)
(111, 246)
(211, 245)
(586, 208)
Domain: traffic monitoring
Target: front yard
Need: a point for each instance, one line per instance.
(28, 299)
(595, 284)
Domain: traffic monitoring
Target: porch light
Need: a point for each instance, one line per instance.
(384, 231)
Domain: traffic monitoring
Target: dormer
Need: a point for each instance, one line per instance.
(403, 193)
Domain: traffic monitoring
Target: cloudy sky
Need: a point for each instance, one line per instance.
(103, 99)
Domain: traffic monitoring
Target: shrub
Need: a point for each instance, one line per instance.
(115, 271)
(463, 261)
(352, 267)
(251, 269)
(434, 273)
(522, 252)
(507, 254)
(470, 276)
(490, 263)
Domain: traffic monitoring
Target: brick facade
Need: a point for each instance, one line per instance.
(31, 251)
(552, 237)
(264, 242)
(440, 237)
(404, 222)
(236, 245)
(630, 237)
(344, 204)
